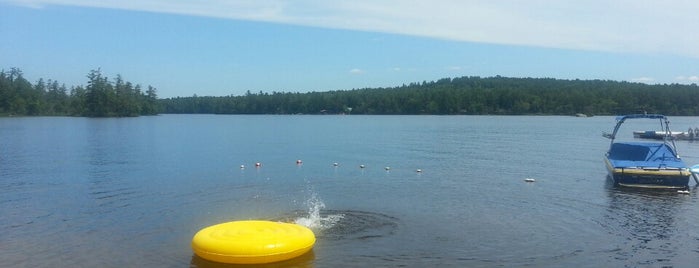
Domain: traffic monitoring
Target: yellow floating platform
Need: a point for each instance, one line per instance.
(248, 242)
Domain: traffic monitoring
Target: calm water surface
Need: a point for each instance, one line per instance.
(132, 192)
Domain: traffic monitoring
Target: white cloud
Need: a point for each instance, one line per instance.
(356, 71)
(687, 79)
(645, 80)
(638, 26)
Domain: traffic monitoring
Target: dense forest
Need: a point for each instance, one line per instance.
(100, 98)
(464, 95)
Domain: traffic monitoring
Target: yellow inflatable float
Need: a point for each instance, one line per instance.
(247, 242)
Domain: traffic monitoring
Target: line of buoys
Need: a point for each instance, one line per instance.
(335, 164)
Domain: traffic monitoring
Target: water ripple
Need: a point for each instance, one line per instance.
(352, 224)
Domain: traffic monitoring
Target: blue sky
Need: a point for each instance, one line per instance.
(219, 48)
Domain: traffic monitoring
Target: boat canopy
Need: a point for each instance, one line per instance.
(664, 122)
(634, 116)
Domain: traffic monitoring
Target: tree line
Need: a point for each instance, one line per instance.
(100, 98)
(464, 95)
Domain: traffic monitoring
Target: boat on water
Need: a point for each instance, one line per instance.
(646, 164)
(691, 134)
(658, 134)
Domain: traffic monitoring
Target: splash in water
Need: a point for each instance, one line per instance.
(314, 219)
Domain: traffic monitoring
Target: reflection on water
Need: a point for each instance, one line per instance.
(644, 220)
(303, 261)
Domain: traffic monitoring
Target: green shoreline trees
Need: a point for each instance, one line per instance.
(463, 95)
(101, 98)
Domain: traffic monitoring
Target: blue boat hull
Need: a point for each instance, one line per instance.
(670, 182)
(648, 178)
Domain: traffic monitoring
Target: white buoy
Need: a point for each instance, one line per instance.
(298, 162)
(335, 164)
(361, 166)
(242, 166)
(529, 180)
(258, 164)
(387, 168)
(419, 170)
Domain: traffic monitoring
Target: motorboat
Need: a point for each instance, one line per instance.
(646, 164)
(691, 134)
(658, 134)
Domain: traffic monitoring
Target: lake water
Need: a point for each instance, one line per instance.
(131, 192)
